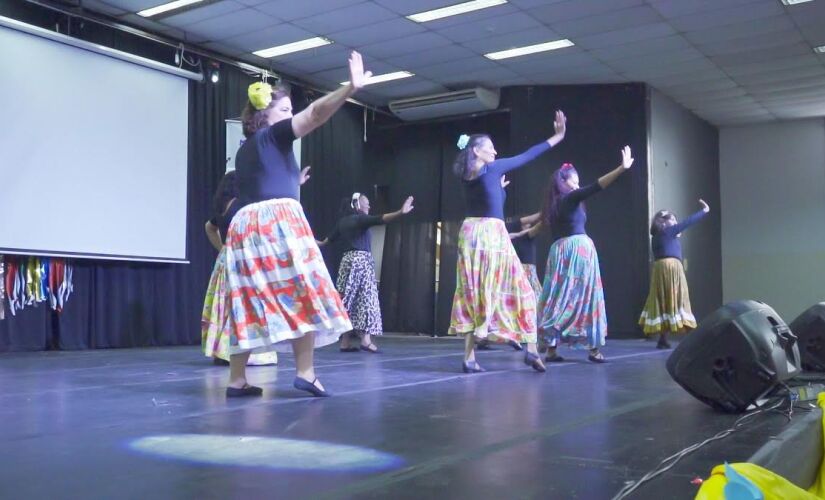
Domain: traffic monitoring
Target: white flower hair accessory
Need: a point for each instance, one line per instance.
(463, 140)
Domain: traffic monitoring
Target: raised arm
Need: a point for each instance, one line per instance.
(406, 208)
(689, 221)
(317, 113)
(504, 165)
(627, 161)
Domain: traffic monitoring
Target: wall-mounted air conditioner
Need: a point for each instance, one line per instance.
(461, 102)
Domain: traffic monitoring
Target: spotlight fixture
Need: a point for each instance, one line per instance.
(214, 72)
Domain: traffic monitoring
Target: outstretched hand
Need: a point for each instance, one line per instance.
(560, 123)
(357, 76)
(407, 206)
(705, 207)
(304, 175)
(627, 157)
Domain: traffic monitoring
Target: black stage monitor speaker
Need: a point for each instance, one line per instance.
(809, 328)
(736, 355)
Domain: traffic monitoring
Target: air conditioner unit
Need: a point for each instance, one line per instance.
(461, 102)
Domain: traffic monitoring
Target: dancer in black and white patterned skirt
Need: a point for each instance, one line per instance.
(356, 275)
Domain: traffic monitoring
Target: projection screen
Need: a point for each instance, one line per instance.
(94, 150)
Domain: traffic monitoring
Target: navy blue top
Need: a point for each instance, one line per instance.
(666, 242)
(570, 218)
(525, 245)
(266, 165)
(355, 229)
(484, 195)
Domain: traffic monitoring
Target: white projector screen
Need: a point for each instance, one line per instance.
(94, 152)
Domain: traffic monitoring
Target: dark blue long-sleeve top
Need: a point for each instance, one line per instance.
(484, 195)
(355, 230)
(666, 242)
(570, 217)
(266, 165)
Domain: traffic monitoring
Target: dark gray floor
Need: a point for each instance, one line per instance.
(70, 421)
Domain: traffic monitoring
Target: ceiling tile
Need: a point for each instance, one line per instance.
(576, 9)
(353, 16)
(289, 10)
(405, 45)
(196, 14)
(727, 16)
(628, 35)
(431, 57)
(603, 23)
(512, 40)
(231, 24)
(758, 55)
(491, 26)
(377, 32)
(268, 37)
(677, 8)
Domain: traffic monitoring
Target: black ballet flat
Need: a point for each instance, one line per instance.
(472, 367)
(348, 349)
(534, 361)
(305, 385)
(554, 359)
(597, 358)
(372, 348)
(515, 345)
(246, 390)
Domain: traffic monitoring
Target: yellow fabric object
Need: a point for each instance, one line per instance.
(260, 95)
(772, 486)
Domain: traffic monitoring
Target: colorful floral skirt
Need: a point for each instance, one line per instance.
(667, 308)
(279, 287)
(493, 297)
(356, 285)
(214, 339)
(572, 298)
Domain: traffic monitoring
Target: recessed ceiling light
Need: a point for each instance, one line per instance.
(794, 2)
(454, 10)
(160, 9)
(386, 77)
(309, 43)
(529, 49)
(820, 49)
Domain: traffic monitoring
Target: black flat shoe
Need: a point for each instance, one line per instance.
(515, 345)
(597, 358)
(472, 367)
(554, 359)
(372, 348)
(305, 385)
(247, 390)
(348, 349)
(534, 361)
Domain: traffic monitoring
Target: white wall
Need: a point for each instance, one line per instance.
(773, 214)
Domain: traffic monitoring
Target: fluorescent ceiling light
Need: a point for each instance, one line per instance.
(820, 49)
(386, 77)
(529, 49)
(160, 9)
(309, 43)
(794, 2)
(454, 10)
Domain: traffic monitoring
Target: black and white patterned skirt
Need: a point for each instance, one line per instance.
(356, 285)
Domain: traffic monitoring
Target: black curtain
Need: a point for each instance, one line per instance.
(335, 151)
(126, 304)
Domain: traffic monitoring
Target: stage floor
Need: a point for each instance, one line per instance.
(154, 423)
